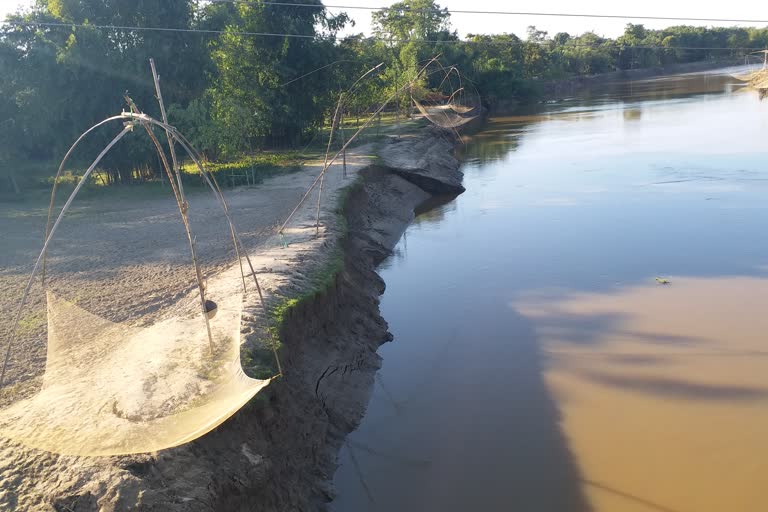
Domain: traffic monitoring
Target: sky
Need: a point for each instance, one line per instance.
(493, 24)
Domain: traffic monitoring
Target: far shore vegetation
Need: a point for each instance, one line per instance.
(259, 105)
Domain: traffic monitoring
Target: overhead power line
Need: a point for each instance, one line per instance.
(503, 13)
(550, 44)
(49, 24)
(315, 71)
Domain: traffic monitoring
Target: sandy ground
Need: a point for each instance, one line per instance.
(126, 260)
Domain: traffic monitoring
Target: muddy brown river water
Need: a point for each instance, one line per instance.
(537, 363)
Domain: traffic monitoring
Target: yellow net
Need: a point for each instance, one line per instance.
(446, 116)
(114, 389)
(757, 79)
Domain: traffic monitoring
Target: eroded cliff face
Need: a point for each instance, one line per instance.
(279, 452)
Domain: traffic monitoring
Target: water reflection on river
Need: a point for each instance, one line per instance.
(537, 364)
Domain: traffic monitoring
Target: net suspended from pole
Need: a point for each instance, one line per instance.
(449, 105)
(446, 116)
(456, 102)
(111, 389)
(757, 79)
(115, 388)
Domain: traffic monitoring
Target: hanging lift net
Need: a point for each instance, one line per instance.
(451, 104)
(115, 388)
(446, 116)
(112, 389)
(757, 78)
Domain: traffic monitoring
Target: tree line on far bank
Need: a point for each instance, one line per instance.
(233, 92)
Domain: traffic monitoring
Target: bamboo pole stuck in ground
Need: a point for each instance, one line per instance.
(183, 208)
(211, 181)
(344, 154)
(334, 126)
(177, 168)
(347, 144)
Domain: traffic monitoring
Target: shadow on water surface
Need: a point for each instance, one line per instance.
(477, 429)
(601, 395)
(676, 388)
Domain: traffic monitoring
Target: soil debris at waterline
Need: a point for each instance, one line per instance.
(279, 451)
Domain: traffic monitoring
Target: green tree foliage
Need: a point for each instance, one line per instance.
(411, 19)
(254, 100)
(236, 92)
(61, 80)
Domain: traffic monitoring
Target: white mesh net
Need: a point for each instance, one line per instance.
(450, 105)
(757, 79)
(112, 389)
(446, 116)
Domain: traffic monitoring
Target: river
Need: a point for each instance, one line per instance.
(538, 364)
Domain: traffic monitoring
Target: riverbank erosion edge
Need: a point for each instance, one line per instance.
(279, 452)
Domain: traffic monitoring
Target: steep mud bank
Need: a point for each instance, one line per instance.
(278, 453)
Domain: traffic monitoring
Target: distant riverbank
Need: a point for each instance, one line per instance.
(548, 90)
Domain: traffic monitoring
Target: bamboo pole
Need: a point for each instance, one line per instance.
(174, 160)
(58, 175)
(181, 201)
(177, 168)
(183, 208)
(344, 154)
(129, 127)
(211, 180)
(334, 125)
(346, 145)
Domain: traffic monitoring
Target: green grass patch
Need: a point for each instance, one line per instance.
(31, 323)
(248, 170)
(260, 361)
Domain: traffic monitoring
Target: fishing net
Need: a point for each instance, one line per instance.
(753, 77)
(450, 104)
(446, 116)
(115, 388)
(756, 78)
(110, 388)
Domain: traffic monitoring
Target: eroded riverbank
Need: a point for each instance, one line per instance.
(277, 453)
(537, 362)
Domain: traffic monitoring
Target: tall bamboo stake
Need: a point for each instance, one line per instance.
(347, 144)
(183, 207)
(211, 180)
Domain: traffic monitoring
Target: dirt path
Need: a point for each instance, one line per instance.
(124, 258)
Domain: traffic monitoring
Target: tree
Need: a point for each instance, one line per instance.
(68, 78)
(254, 100)
(535, 52)
(411, 19)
